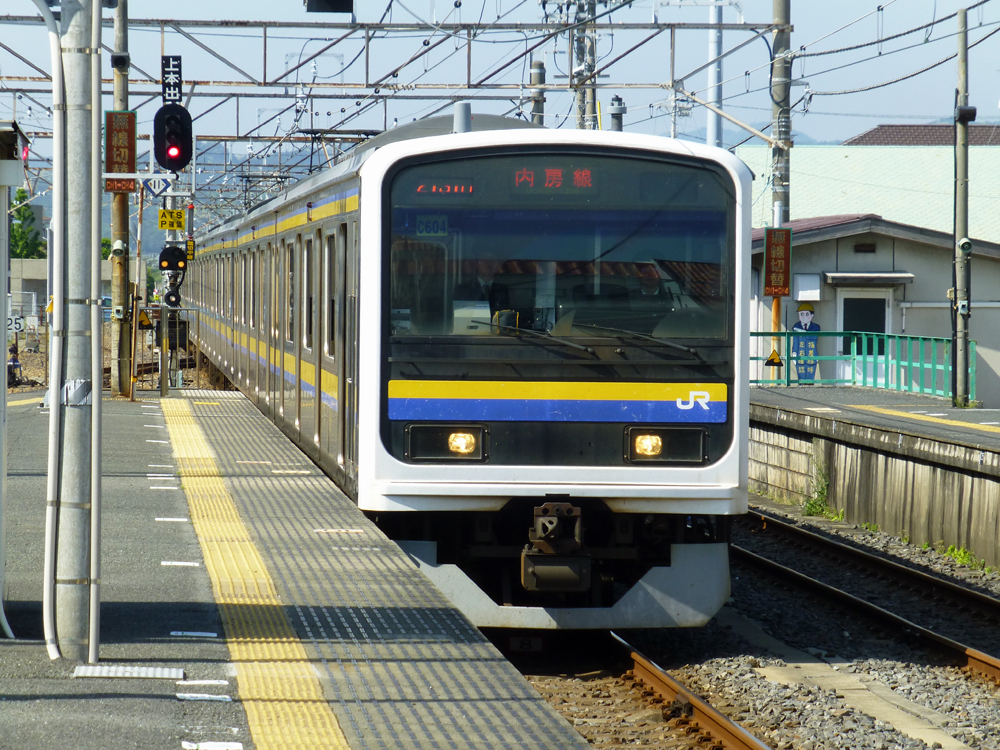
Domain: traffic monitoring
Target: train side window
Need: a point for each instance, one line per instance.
(253, 288)
(307, 295)
(242, 291)
(330, 309)
(290, 280)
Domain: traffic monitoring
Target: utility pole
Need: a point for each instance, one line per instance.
(964, 114)
(781, 129)
(714, 125)
(121, 339)
(76, 389)
(585, 49)
(537, 93)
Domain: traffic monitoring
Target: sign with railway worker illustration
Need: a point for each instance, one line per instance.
(805, 346)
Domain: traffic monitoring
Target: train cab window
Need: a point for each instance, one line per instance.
(568, 245)
(290, 290)
(307, 295)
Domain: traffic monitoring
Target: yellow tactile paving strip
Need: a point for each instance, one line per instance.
(925, 418)
(278, 687)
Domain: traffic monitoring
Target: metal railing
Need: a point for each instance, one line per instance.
(913, 364)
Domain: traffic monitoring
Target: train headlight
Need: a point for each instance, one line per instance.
(449, 442)
(648, 446)
(669, 445)
(462, 443)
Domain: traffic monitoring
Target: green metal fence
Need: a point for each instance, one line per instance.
(913, 364)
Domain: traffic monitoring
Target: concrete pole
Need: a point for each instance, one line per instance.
(76, 389)
(121, 340)
(579, 65)
(714, 132)
(781, 129)
(960, 395)
(537, 93)
(590, 65)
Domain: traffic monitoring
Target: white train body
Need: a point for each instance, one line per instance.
(522, 352)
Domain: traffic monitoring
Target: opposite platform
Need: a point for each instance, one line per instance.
(329, 635)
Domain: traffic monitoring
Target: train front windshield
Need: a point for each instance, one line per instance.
(572, 245)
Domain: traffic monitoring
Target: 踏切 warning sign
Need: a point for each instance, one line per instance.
(774, 360)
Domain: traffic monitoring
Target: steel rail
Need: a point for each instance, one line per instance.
(874, 561)
(967, 656)
(725, 733)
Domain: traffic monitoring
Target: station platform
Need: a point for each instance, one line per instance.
(930, 417)
(254, 606)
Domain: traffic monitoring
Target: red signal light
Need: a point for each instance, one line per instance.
(173, 152)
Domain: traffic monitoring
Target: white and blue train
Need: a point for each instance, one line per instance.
(522, 352)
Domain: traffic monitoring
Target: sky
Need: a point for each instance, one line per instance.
(818, 27)
(828, 106)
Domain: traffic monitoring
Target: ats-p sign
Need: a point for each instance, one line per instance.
(777, 262)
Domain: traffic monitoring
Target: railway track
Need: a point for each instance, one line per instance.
(617, 696)
(913, 594)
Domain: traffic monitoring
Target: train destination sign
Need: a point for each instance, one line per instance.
(777, 261)
(553, 180)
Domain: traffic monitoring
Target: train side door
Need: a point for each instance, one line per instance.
(274, 348)
(308, 372)
(340, 329)
(290, 336)
(351, 358)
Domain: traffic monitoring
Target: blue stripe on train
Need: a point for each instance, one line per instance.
(540, 410)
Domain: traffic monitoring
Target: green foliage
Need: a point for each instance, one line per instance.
(869, 526)
(25, 237)
(966, 558)
(817, 505)
(105, 248)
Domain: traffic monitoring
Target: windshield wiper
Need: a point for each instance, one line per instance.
(638, 335)
(539, 334)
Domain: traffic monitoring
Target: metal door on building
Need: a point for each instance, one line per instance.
(866, 310)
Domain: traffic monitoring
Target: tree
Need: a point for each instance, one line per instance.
(25, 239)
(105, 248)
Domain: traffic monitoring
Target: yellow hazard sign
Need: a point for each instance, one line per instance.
(49, 307)
(774, 360)
(144, 322)
(171, 219)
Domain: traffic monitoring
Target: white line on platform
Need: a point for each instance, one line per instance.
(290, 471)
(193, 634)
(202, 697)
(160, 476)
(165, 442)
(164, 488)
(160, 466)
(918, 412)
(211, 745)
(989, 423)
(254, 462)
(339, 531)
(203, 682)
(174, 563)
(173, 520)
(156, 426)
(938, 414)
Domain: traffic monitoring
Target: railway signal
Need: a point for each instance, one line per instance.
(173, 258)
(173, 142)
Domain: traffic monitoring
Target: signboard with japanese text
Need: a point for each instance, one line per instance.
(171, 219)
(119, 151)
(190, 249)
(171, 79)
(777, 261)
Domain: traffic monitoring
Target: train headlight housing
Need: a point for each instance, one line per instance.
(462, 443)
(672, 445)
(648, 445)
(434, 442)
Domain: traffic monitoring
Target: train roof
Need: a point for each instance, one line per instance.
(442, 125)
